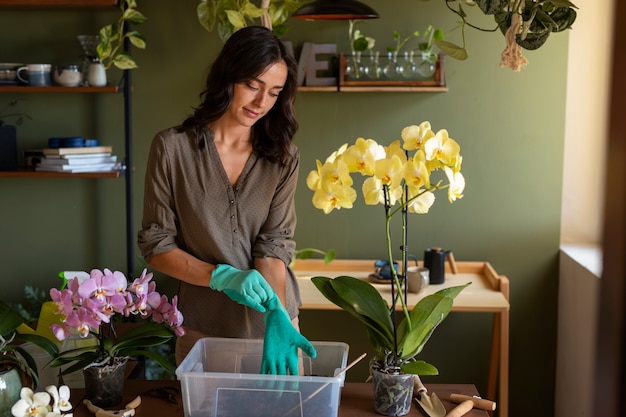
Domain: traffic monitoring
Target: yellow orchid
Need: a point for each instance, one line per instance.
(442, 148)
(457, 184)
(394, 148)
(389, 171)
(415, 136)
(397, 174)
(416, 172)
(333, 196)
(361, 156)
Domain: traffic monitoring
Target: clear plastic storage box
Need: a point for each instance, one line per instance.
(220, 378)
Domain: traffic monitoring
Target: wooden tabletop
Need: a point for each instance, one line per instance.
(356, 400)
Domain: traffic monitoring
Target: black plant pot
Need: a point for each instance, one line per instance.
(8, 147)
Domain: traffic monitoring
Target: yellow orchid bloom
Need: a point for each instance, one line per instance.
(333, 196)
(335, 172)
(333, 156)
(372, 189)
(422, 203)
(394, 148)
(361, 156)
(415, 136)
(389, 171)
(442, 148)
(457, 184)
(416, 172)
(313, 180)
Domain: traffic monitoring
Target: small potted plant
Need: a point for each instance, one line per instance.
(90, 307)
(402, 177)
(17, 366)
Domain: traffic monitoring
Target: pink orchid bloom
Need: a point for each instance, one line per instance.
(141, 285)
(63, 300)
(98, 285)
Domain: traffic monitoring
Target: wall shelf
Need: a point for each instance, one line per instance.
(123, 87)
(374, 89)
(57, 89)
(31, 173)
(42, 4)
(435, 85)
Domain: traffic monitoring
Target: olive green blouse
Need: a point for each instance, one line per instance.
(189, 203)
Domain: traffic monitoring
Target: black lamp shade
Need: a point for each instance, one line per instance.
(335, 10)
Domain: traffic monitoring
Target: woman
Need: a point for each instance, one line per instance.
(219, 209)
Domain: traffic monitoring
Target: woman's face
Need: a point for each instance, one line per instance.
(253, 99)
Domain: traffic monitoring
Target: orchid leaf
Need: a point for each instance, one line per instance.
(425, 317)
(452, 292)
(9, 319)
(359, 299)
(419, 368)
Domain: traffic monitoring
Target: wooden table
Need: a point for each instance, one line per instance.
(356, 400)
(489, 293)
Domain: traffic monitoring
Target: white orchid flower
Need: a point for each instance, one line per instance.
(31, 404)
(60, 397)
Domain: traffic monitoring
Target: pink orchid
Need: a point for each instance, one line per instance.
(88, 305)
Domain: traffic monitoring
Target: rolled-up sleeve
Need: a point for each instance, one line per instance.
(276, 236)
(158, 228)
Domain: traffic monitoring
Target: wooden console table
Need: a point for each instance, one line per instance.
(489, 293)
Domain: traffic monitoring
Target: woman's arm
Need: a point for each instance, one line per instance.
(274, 272)
(181, 265)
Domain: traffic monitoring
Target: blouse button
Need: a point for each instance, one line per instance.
(232, 201)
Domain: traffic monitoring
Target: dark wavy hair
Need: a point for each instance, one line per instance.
(246, 55)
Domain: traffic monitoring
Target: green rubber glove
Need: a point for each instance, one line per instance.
(245, 287)
(282, 340)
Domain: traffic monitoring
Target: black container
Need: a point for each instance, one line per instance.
(435, 262)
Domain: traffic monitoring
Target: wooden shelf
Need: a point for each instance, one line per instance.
(31, 173)
(436, 85)
(57, 89)
(374, 89)
(52, 4)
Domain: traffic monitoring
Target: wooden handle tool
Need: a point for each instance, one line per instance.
(478, 402)
(461, 409)
(452, 263)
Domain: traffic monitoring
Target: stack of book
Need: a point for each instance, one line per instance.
(82, 159)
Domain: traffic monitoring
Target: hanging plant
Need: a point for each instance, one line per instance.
(231, 15)
(111, 48)
(525, 24)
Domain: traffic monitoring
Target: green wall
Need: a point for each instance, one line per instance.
(510, 127)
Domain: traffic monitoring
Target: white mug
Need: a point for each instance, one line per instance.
(36, 74)
(417, 279)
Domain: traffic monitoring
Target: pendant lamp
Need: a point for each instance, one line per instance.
(335, 10)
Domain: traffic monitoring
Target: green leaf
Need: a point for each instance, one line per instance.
(350, 301)
(360, 44)
(329, 256)
(563, 3)
(236, 19)
(452, 292)
(9, 319)
(419, 368)
(137, 39)
(452, 50)
(206, 12)
(133, 16)
(425, 317)
(124, 61)
(250, 10)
